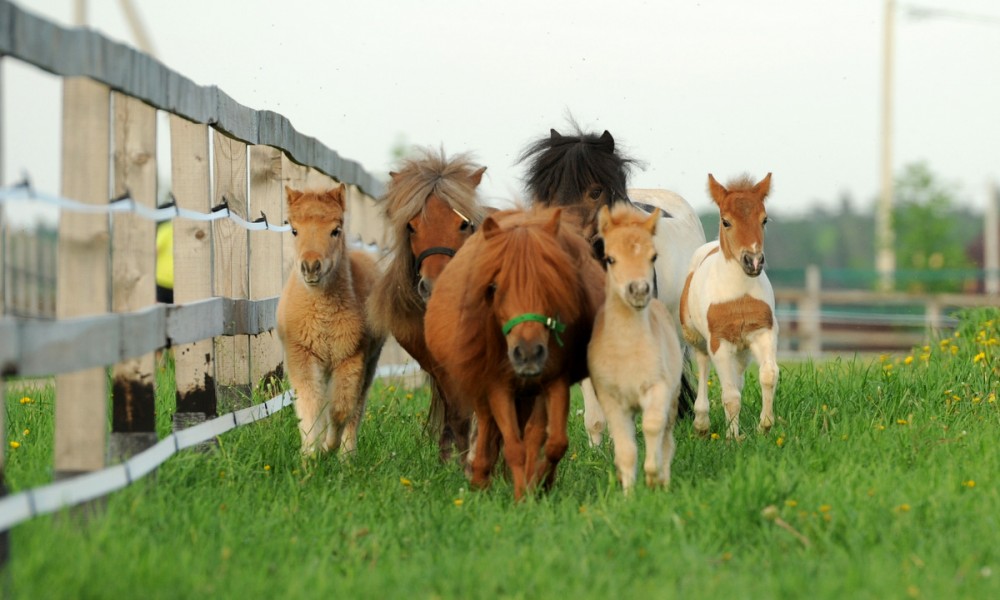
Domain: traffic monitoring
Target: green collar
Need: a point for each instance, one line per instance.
(550, 323)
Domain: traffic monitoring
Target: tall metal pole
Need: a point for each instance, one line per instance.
(885, 254)
(991, 245)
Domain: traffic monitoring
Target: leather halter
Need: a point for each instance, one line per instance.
(449, 252)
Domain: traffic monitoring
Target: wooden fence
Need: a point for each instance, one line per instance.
(227, 277)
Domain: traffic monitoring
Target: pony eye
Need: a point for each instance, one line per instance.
(764, 222)
(409, 228)
(465, 225)
(295, 232)
(726, 224)
(655, 256)
(491, 291)
(595, 193)
(335, 232)
(609, 260)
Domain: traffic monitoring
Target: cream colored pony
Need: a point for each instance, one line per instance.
(727, 307)
(330, 350)
(634, 356)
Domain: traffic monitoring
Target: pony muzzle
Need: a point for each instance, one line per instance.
(752, 263)
(528, 357)
(311, 269)
(639, 292)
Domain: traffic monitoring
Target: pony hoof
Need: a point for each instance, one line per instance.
(596, 439)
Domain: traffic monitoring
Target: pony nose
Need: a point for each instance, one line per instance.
(528, 358)
(639, 291)
(424, 287)
(311, 269)
(753, 263)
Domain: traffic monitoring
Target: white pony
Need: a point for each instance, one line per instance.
(634, 356)
(678, 234)
(727, 306)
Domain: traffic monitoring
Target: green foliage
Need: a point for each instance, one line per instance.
(879, 480)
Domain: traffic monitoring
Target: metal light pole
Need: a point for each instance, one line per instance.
(885, 253)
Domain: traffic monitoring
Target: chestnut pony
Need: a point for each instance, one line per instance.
(635, 357)
(431, 208)
(330, 350)
(585, 171)
(509, 323)
(727, 308)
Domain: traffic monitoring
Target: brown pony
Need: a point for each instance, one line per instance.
(330, 351)
(431, 209)
(509, 323)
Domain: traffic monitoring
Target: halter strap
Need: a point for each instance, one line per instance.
(551, 323)
(431, 252)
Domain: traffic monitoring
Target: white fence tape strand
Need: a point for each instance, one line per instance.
(20, 507)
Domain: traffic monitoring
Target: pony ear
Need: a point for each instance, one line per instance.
(490, 227)
(650, 223)
(292, 195)
(338, 195)
(553, 225)
(603, 219)
(608, 141)
(477, 177)
(763, 186)
(393, 175)
(554, 135)
(716, 190)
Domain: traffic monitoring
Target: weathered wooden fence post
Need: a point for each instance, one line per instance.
(133, 268)
(294, 177)
(82, 289)
(231, 246)
(809, 314)
(194, 364)
(266, 199)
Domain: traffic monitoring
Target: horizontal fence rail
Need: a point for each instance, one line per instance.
(26, 505)
(84, 53)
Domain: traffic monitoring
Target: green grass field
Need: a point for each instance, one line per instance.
(880, 480)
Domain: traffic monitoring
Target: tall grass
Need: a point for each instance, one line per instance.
(879, 480)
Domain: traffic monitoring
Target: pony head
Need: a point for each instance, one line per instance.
(528, 294)
(584, 171)
(741, 220)
(629, 252)
(317, 221)
(432, 207)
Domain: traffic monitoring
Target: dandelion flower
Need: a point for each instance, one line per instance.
(267, 467)
(901, 421)
(979, 357)
(15, 445)
(969, 484)
(406, 482)
(903, 508)
(715, 436)
(780, 441)
(458, 501)
(27, 431)
(908, 360)
(824, 508)
(26, 400)
(791, 503)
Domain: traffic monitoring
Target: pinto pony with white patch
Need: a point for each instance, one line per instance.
(727, 306)
(634, 355)
(331, 351)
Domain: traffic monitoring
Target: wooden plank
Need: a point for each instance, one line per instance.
(133, 274)
(231, 276)
(267, 198)
(81, 397)
(194, 363)
(294, 177)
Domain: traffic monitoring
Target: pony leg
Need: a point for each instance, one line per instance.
(307, 379)
(654, 424)
(557, 410)
(621, 427)
(534, 436)
(487, 450)
(765, 349)
(593, 416)
(348, 383)
(729, 367)
(701, 406)
(505, 414)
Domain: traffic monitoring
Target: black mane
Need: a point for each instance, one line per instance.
(560, 168)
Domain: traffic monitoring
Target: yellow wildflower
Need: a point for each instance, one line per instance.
(901, 421)
(458, 502)
(715, 436)
(406, 482)
(15, 445)
(26, 400)
(825, 508)
(979, 357)
(908, 360)
(27, 431)
(267, 467)
(780, 441)
(903, 508)
(969, 484)
(791, 503)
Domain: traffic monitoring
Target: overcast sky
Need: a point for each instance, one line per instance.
(723, 86)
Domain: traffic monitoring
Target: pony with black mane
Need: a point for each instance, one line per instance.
(431, 208)
(583, 172)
